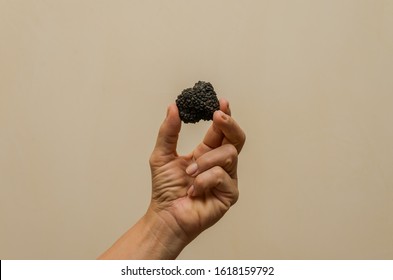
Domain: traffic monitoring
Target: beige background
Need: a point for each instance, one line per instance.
(84, 86)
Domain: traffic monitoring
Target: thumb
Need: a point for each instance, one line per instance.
(168, 133)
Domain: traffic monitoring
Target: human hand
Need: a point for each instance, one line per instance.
(192, 192)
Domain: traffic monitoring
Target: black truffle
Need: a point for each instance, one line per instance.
(197, 103)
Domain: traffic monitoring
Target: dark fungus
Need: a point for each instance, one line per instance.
(197, 103)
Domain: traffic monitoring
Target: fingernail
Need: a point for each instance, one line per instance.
(192, 169)
(190, 191)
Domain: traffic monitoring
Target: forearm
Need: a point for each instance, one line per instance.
(149, 238)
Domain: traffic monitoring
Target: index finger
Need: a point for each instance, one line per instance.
(224, 130)
(232, 132)
(214, 136)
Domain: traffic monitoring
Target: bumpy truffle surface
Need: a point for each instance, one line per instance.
(197, 103)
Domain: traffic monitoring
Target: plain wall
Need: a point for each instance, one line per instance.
(84, 86)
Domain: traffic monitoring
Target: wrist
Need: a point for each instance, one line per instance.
(152, 237)
(167, 239)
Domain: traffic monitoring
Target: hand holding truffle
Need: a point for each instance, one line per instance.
(189, 192)
(192, 192)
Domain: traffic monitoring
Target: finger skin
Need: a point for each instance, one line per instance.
(224, 130)
(233, 134)
(224, 156)
(168, 135)
(224, 106)
(214, 136)
(217, 181)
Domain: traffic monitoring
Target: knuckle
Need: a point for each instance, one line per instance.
(231, 150)
(218, 173)
(198, 181)
(243, 137)
(232, 155)
(228, 162)
(241, 140)
(235, 196)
